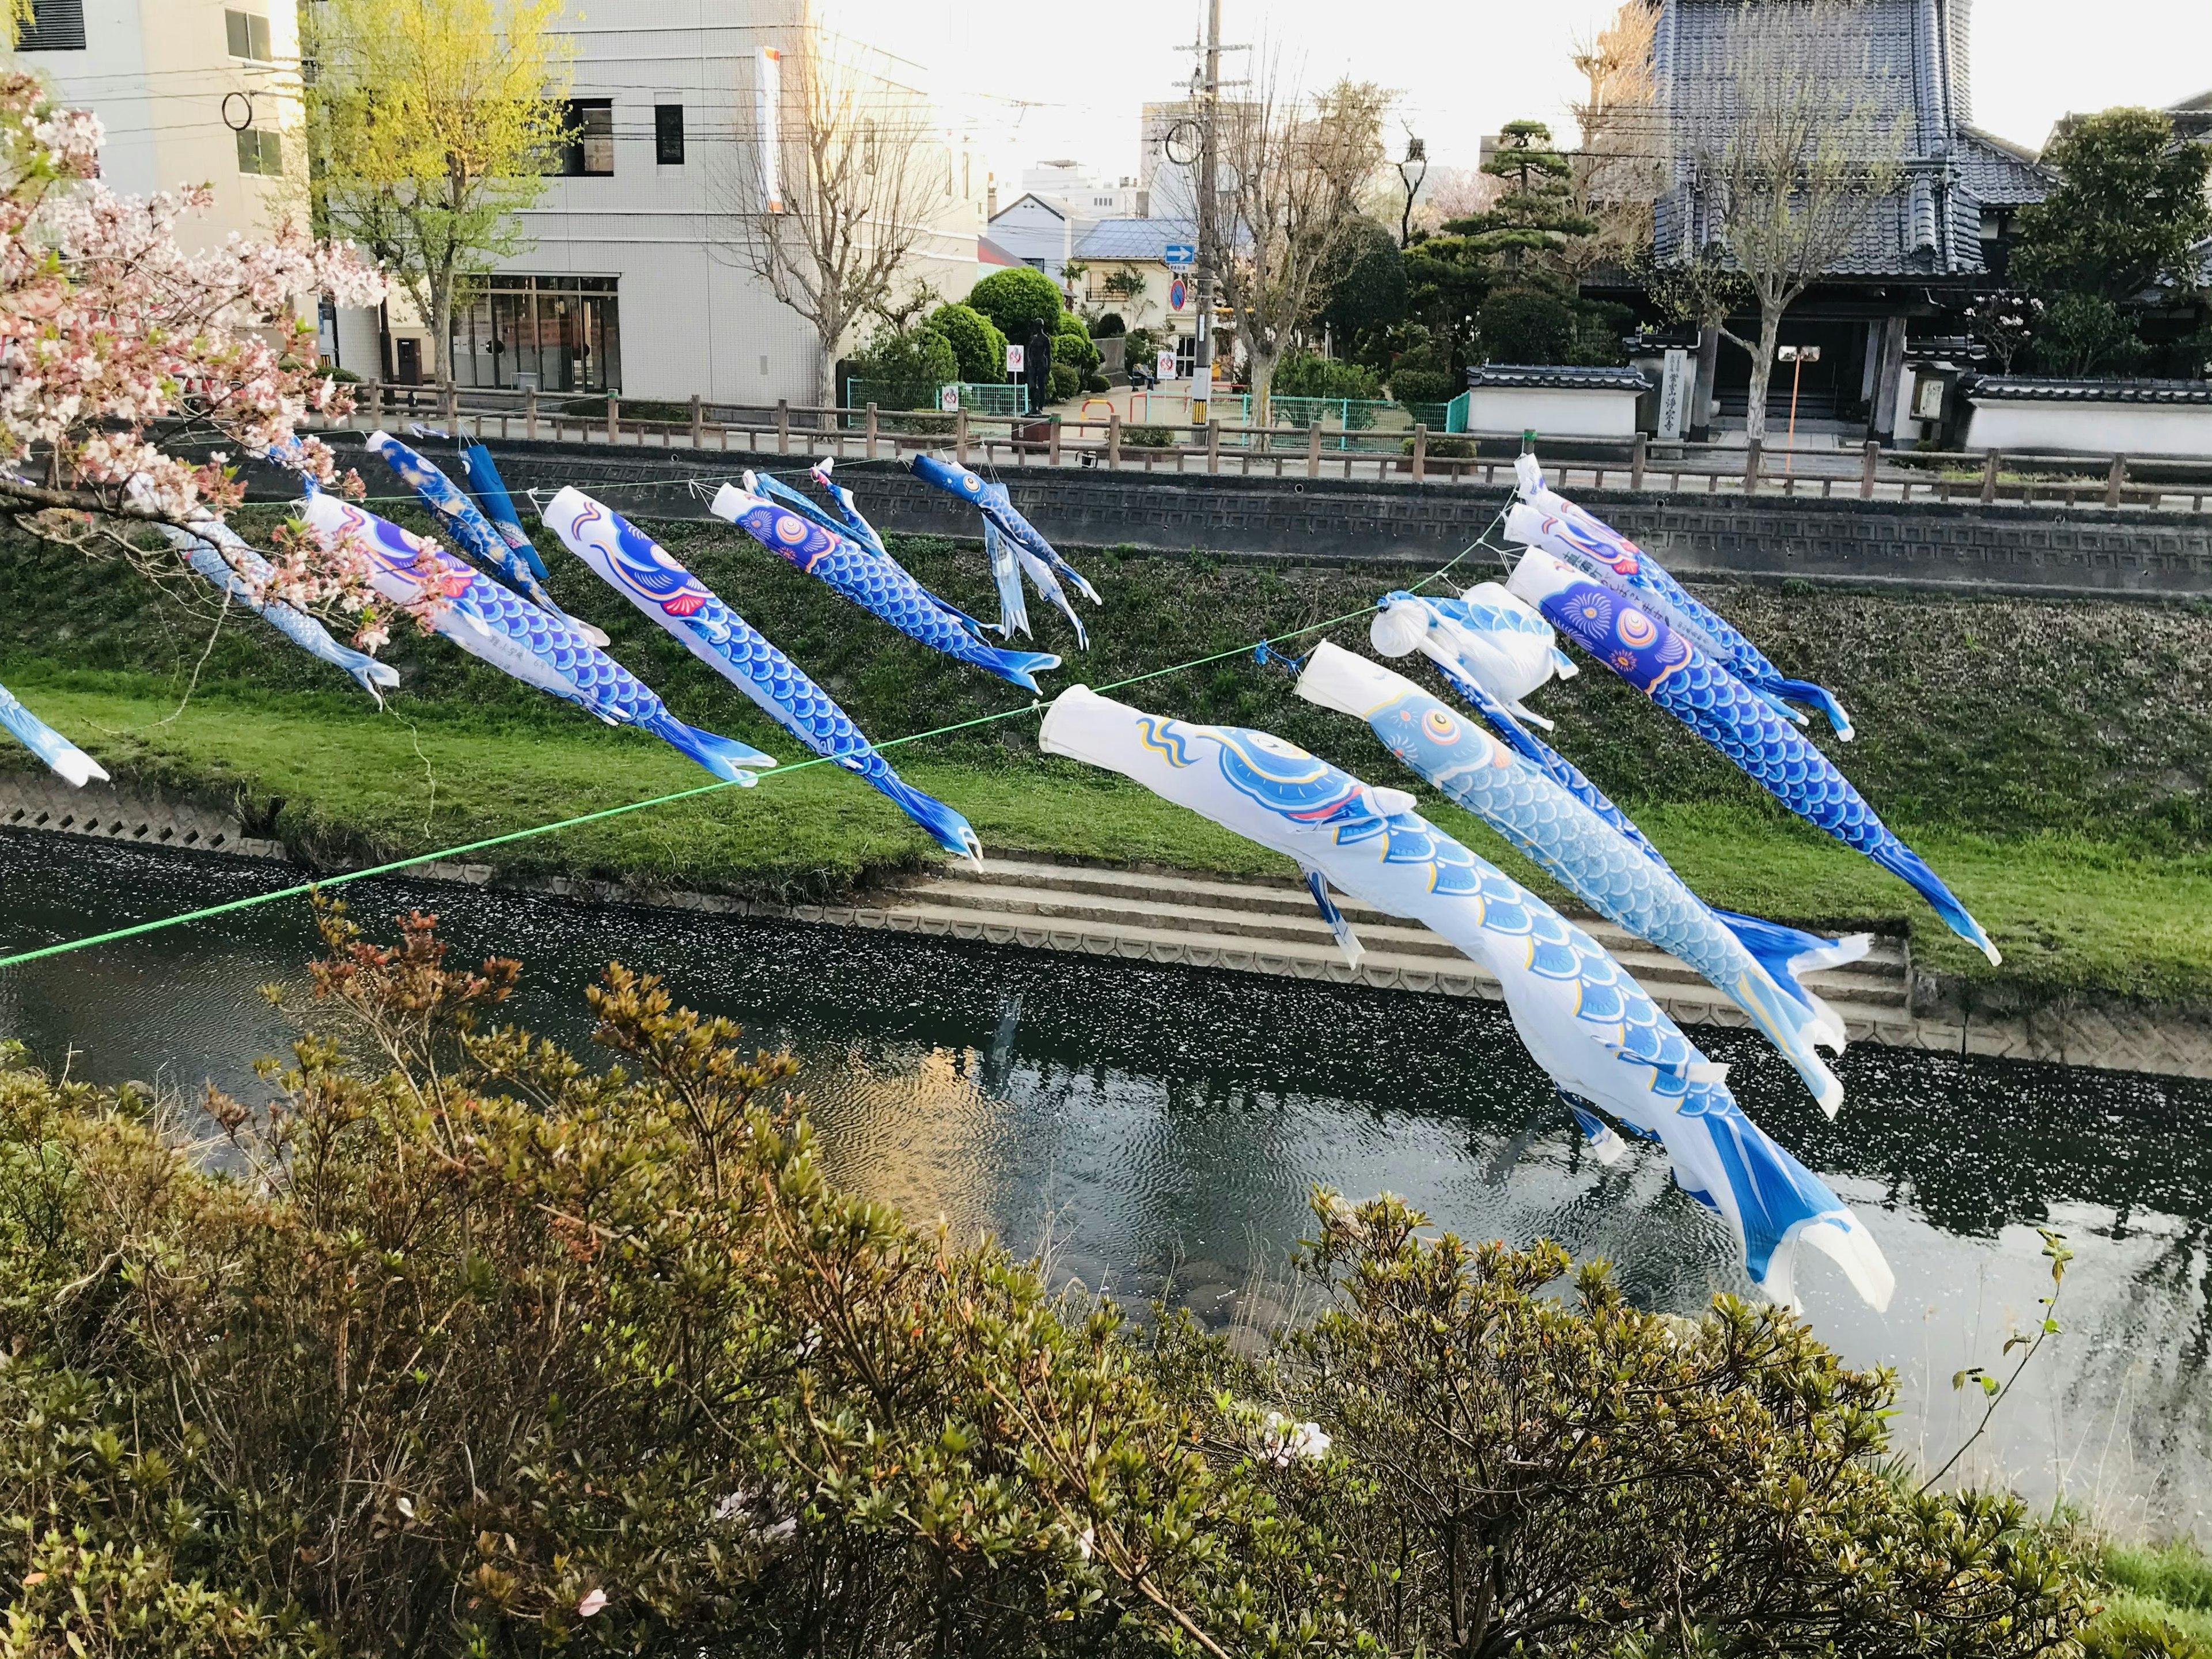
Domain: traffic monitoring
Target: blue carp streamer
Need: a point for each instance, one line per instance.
(498, 506)
(470, 528)
(1602, 553)
(771, 487)
(1477, 665)
(639, 569)
(883, 589)
(1609, 1049)
(68, 761)
(214, 551)
(1586, 854)
(1733, 718)
(1042, 562)
(514, 636)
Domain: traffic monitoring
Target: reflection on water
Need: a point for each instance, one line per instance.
(1153, 1126)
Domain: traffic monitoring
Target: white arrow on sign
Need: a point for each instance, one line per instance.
(1179, 255)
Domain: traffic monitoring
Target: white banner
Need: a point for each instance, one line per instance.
(767, 101)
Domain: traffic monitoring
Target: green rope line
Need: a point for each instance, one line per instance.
(304, 889)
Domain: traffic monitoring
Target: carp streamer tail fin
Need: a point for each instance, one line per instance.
(1900, 861)
(1779, 1204)
(1788, 953)
(1019, 667)
(946, 827)
(1821, 698)
(726, 757)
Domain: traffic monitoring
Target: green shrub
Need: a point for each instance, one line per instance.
(1109, 326)
(1095, 381)
(1142, 346)
(2133, 1627)
(1148, 437)
(1309, 375)
(343, 376)
(979, 349)
(1423, 373)
(1441, 447)
(908, 366)
(1065, 382)
(477, 1348)
(1017, 297)
(1078, 351)
(1527, 326)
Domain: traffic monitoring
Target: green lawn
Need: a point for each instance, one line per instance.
(2051, 759)
(346, 785)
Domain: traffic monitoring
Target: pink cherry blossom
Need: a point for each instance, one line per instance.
(115, 341)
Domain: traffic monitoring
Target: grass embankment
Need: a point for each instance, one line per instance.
(2049, 758)
(2159, 1604)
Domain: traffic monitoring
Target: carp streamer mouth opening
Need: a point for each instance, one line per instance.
(301, 889)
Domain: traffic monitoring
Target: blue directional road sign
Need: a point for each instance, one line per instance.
(1179, 255)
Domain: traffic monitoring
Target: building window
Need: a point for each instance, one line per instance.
(260, 152)
(668, 135)
(590, 151)
(541, 333)
(249, 36)
(55, 26)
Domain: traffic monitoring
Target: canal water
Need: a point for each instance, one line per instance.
(1154, 1128)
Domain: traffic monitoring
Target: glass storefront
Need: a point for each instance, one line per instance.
(546, 333)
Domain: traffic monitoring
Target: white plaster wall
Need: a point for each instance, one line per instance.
(1558, 412)
(1031, 231)
(2091, 428)
(156, 73)
(693, 317)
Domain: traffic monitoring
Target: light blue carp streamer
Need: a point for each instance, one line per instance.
(469, 527)
(1402, 623)
(514, 636)
(771, 487)
(214, 550)
(1583, 853)
(1472, 613)
(1006, 577)
(66, 759)
(992, 500)
(1585, 541)
(639, 569)
(1607, 1046)
(1733, 718)
(499, 506)
(881, 589)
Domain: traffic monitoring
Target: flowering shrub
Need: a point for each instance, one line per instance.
(470, 1348)
(114, 341)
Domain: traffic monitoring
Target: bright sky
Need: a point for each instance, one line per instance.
(1073, 85)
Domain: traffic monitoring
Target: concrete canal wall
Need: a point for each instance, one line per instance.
(2028, 549)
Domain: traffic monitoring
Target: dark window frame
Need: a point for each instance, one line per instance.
(238, 29)
(55, 26)
(260, 153)
(668, 135)
(591, 120)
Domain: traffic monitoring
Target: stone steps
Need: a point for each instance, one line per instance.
(1269, 926)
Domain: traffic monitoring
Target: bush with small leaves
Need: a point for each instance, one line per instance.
(473, 1348)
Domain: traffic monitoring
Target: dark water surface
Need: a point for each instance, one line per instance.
(1143, 1122)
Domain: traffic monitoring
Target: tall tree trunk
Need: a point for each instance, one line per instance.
(441, 326)
(825, 378)
(1263, 384)
(1762, 370)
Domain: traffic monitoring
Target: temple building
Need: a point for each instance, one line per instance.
(1895, 302)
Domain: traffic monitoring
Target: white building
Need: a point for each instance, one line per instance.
(634, 277)
(190, 92)
(1060, 206)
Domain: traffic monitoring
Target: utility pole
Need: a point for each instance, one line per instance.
(1207, 196)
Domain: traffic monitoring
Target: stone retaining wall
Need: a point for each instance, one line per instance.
(2030, 550)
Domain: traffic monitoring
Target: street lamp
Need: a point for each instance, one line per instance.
(1796, 357)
